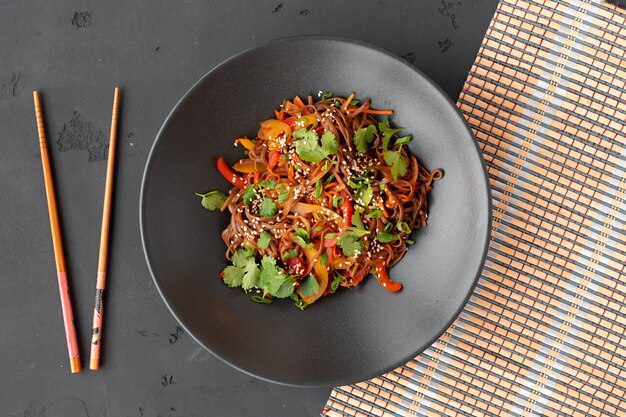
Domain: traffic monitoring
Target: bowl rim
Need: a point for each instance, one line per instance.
(437, 88)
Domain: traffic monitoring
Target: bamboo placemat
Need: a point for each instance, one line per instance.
(544, 332)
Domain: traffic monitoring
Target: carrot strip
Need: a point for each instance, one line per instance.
(344, 106)
(273, 159)
(290, 174)
(372, 111)
(298, 102)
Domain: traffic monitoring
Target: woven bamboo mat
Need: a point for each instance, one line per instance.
(544, 332)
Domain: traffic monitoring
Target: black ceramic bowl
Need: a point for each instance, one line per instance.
(356, 333)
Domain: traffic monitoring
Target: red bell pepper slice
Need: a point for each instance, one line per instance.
(347, 210)
(273, 159)
(291, 121)
(383, 278)
(229, 174)
(329, 243)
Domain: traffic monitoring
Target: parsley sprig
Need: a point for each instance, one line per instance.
(246, 273)
(274, 280)
(394, 158)
(308, 145)
(350, 244)
(268, 207)
(363, 137)
(212, 200)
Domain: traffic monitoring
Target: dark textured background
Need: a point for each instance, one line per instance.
(74, 53)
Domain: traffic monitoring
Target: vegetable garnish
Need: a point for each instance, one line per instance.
(309, 149)
(383, 278)
(325, 195)
(363, 137)
(213, 199)
(264, 240)
(230, 175)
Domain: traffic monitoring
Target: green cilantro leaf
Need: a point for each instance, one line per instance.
(251, 274)
(233, 276)
(326, 95)
(213, 200)
(385, 237)
(337, 201)
(281, 187)
(335, 284)
(337, 103)
(363, 137)
(268, 262)
(312, 155)
(290, 254)
(286, 288)
(396, 161)
(309, 149)
(350, 244)
(302, 233)
(268, 207)
(269, 184)
(387, 132)
(329, 143)
(355, 102)
(307, 145)
(309, 286)
(301, 242)
(264, 239)
(404, 140)
(358, 232)
(410, 242)
(282, 197)
(318, 189)
(375, 214)
(247, 252)
(324, 258)
(382, 186)
(356, 220)
(330, 236)
(248, 195)
(240, 257)
(270, 278)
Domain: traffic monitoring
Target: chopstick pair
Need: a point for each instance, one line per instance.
(66, 303)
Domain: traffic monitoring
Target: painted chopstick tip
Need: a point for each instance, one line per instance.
(94, 364)
(75, 365)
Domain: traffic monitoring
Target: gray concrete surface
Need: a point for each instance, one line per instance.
(75, 52)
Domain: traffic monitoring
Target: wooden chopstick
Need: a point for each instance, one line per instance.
(57, 244)
(96, 338)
